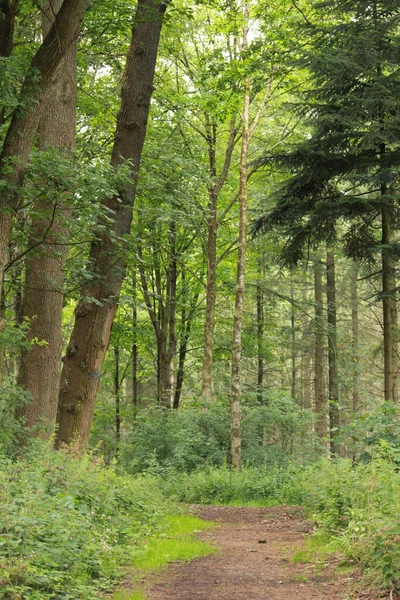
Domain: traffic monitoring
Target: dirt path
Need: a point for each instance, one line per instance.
(253, 562)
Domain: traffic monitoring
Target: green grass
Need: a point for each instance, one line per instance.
(178, 543)
(135, 595)
(317, 548)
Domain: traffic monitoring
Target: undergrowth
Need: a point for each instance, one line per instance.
(68, 524)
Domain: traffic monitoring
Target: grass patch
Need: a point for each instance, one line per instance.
(316, 549)
(135, 595)
(177, 543)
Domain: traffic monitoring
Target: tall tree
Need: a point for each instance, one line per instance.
(319, 355)
(96, 308)
(332, 351)
(42, 299)
(25, 119)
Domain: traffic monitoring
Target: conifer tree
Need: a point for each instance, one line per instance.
(348, 168)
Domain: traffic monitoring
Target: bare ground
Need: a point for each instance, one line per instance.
(253, 562)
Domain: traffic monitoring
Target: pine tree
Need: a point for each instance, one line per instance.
(348, 169)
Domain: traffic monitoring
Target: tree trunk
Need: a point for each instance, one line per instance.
(212, 228)
(387, 306)
(117, 395)
(293, 343)
(355, 339)
(8, 11)
(332, 353)
(260, 330)
(135, 398)
(236, 451)
(395, 338)
(24, 124)
(42, 300)
(319, 381)
(93, 320)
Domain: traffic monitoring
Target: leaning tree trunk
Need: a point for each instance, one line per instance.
(319, 381)
(93, 320)
(42, 300)
(24, 123)
(332, 353)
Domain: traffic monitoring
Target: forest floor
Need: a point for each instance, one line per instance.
(256, 560)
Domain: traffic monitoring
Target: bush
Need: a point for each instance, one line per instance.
(67, 523)
(360, 506)
(191, 438)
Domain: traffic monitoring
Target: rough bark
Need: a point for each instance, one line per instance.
(332, 353)
(319, 371)
(42, 300)
(93, 320)
(25, 120)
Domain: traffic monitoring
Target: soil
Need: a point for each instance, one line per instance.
(252, 562)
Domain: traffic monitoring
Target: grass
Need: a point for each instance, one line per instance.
(177, 543)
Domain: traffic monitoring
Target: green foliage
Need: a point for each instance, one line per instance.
(226, 486)
(375, 434)
(192, 437)
(67, 524)
(359, 506)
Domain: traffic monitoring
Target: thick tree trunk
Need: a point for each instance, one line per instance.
(319, 382)
(24, 123)
(355, 339)
(236, 451)
(42, 300)
(93, 320)
(332, 352)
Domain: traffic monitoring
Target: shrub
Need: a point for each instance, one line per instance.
(67, 523)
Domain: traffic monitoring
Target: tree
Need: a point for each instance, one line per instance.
(42, 299)
(96, 308)
(25, 119)
(348, 168)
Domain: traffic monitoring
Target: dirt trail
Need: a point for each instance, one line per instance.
(253, 562)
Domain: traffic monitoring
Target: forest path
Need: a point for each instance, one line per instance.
(253, 562)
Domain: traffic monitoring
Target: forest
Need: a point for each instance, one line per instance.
(199, 247)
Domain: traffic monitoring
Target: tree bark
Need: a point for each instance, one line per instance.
(293, 343)
(8, 11)
(93, 320)
(24, 122)
(319, 381)
(42, 300)
(332, 353)
(236, 441)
